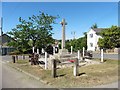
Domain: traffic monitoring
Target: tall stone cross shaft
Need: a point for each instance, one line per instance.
(63, 23)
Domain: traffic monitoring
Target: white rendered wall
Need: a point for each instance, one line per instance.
(93, 40)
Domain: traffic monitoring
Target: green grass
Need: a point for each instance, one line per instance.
(22, 61)
(109, 61)
(91, 75)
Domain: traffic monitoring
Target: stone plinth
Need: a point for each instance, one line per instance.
(62, 56)
(63, 51)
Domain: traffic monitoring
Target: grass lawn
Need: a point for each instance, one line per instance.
(90, 75)
(22, 61)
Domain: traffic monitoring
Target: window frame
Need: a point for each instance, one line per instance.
(91, 35)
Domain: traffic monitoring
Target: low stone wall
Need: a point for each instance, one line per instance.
(107, 56)
(117, 50)
(109, 51)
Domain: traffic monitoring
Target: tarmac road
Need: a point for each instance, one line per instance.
(107, 56)
(7, 58)
(12, 78)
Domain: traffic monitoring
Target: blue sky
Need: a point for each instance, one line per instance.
(80, 16)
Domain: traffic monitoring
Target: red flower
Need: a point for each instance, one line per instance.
(72, 61)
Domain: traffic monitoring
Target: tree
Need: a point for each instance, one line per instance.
(110, 38)
(37, 32)
(42, 26)
(94, 26)
(77, 43)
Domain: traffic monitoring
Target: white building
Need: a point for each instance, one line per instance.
(92, 39)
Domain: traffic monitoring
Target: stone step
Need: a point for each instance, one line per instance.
(65, 55)
(66, 59)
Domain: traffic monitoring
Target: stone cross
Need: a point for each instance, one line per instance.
(63, 23)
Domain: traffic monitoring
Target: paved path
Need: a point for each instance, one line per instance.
(7, 58)
(12, 78)
(112, 85)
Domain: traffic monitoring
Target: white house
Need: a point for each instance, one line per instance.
(92, 39)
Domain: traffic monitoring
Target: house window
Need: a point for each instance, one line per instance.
(91, 44)
(91, 35)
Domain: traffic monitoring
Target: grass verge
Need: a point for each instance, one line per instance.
(91, 75)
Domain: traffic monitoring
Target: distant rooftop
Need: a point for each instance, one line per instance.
(98, 30)
(4, 39)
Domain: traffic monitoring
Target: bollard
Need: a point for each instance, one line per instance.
(102, 56)
(13, 57)
(23, 57)
(37, 51)
(83, 51)
(78, 54)
(75, 70)
(71, 49)
(54, 64)
(45, 60)
(16, 57)
(54, 50)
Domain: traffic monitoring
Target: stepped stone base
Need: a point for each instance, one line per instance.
(63, 51)
(62, 56)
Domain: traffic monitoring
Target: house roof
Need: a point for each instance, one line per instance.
(4, 39)
(98, 30)
(6, 36)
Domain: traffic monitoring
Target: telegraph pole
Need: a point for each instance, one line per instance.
(73, 34)
(1, 26)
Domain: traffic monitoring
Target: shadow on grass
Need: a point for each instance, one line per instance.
(105, 60)
(42, 62)
(81, 74)
(61, 75)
